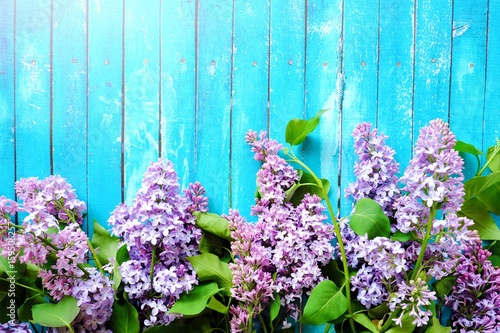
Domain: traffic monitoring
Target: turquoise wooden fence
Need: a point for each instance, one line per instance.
(95, 90)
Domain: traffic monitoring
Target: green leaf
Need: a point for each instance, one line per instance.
(210, 243)
(196, 300)
(379, 312)
(214, 304)
(274, 309)
(25, 309)
(491, 198)
(325, 303)
(365, 321)
(209, 267)
(307, 184)
(495, 260)
(407, 327)
(298, 129)
(60, 314)
(214, 224)
(443, 287)
(437, 327)
(495, 162)
(104, 243)
(369, 218)
(402, 237)
(122, 254)
(483, 222)
(476, 185)
(124, 318)
(465, 147)
(333, 272)
(171, 328)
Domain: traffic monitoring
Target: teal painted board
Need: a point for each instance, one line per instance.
(33, 89)
(324, 87)
(142, 89)
(395, 76)
(7, 156)
(250, 96)
(491, 129)
(432, 62)
(105, 27)
(213, 132)
(178, 82)
(287, 62)
(360, 61)
(69, 93)
(468, 74)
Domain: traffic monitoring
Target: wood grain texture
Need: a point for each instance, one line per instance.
(7, 107)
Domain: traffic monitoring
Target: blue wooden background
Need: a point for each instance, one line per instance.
(95, 90)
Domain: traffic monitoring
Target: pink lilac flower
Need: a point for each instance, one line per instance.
(375, 169)
(475, 297)
(11, 327)
(159, 230)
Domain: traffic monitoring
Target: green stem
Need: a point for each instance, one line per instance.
(262, 323)
(94, 255)
(38, 291)
(152, 268)
(338, 235)
(416, 269)
(495, 152)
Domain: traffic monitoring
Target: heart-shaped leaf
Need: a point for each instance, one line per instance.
(370, 219)
(298, 129)
(209, 267)
(325, 303)
(196, 300)
(60, 314)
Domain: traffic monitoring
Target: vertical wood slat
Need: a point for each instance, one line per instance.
(361, 68)
(213, 123)
(395, 75)
(468, 74)
(105, 25)
(178, 83)
(33, 88)
(142, 89)
(7, 117)
(287, 66)
(250, 95)
(69, 93)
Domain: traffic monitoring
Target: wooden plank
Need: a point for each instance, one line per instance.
(287, 65)
(361, 69)
(7, 107)
(395, 88)
(105, 27)
(324, 88)
(69, 94)
(33, 26)
(250, 95)
(468, 74)
(142, 88)
(178, 82)
(491, 130)
(213, 101)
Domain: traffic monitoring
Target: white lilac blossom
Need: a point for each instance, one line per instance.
(159, 231)
(287, 242)
(475, 297)
(375, 169)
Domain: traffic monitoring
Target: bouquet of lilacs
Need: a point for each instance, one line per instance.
(412, 261)
(45, 262)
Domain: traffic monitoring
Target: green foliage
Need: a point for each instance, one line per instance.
(436, 327)
(370, 219)
(213, 224)
(124, 318)
(326, 303)
(104, 243)
(209, 267)
(298, 129)
(60, 314)
(195, 301)
(306, 185)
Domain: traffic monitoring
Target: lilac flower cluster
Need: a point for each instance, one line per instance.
(287, 242)
(475, 298)
(51, 238)
(432, 182)
(159, 230)
(11, 327)
(375, 169)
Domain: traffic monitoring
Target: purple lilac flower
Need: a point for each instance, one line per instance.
(262, 146)
(375, 169)
(159, 230)
(11, 327)
(413, 298)
(432, 179)
(475, 297)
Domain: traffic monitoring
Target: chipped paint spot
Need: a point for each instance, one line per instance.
(459, 28)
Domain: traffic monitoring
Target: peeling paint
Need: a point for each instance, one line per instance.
(459, 28)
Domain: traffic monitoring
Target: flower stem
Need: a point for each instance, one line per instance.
(94, 255)
(495, 152)
(38, 291)
(152, 268)
(338, 235)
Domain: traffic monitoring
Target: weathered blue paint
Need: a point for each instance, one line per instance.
(104, 109)
(7, 157)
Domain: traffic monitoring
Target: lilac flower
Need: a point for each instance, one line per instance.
(11, 327)
(413, 298)
(475, 297)
(432, 179)
(160, 233)
(262, 146)
(375, 169)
